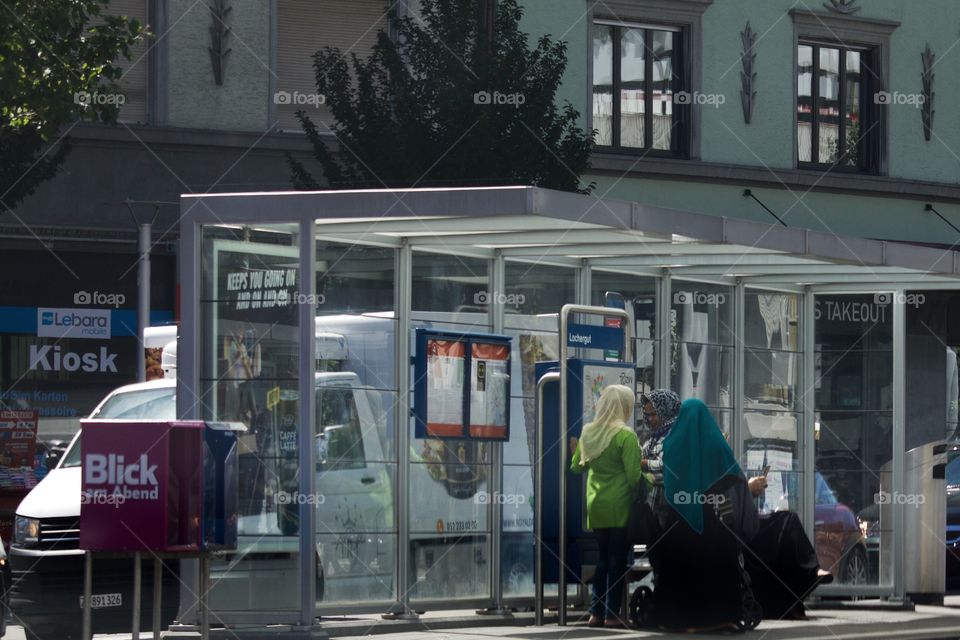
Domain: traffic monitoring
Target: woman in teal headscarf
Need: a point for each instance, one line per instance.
(699, 582)
(711, 500)
(608, 449)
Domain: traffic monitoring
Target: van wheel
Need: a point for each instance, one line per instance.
(321, 581)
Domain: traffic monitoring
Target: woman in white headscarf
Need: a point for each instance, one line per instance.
(609, 451)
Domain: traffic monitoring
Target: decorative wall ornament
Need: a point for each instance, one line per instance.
(846, 7)
(927, 110)
(219, 33)
(748, 37)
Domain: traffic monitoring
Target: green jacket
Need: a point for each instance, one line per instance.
(612, 481)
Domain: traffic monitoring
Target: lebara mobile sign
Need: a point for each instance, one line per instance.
(142, 485)
(73, 323)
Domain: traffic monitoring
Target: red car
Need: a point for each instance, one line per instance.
(841, 547)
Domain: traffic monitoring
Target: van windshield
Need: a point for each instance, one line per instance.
(143, 404)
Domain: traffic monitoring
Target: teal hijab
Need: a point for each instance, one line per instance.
(695, 457)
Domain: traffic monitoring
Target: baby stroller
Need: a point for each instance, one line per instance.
(700, 580)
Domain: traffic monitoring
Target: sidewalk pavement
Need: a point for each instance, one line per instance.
(925, 622)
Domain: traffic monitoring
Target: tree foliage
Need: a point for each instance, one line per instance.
(446, 100)
(52, 56)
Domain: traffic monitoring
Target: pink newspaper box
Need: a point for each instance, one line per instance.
(142, 485)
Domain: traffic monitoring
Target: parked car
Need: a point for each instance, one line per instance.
(840, 543)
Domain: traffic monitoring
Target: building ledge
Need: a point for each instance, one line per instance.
(748, 176)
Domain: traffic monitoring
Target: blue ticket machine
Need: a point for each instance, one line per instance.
(587, 378)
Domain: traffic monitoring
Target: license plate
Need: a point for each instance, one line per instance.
(104, 601)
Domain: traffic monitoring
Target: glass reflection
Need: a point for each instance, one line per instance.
(603, 84)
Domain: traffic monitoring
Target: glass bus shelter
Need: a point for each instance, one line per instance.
(298, 317)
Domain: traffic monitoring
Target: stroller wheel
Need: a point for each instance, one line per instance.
(752, 614)
(641, 606)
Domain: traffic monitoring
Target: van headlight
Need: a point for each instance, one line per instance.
(26, 532)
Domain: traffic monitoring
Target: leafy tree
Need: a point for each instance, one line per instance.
(53, 56)
(454, 97)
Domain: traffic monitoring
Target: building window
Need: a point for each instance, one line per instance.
(838, 122)
(636, 82)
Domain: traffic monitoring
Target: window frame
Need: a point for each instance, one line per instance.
(685, 15)
(867, 146)
(849, 32)
(680, 113)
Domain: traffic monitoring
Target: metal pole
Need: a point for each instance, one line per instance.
(143, 295)
(538, 501)
(137, 579)
(807, 435)
(564, 383)
(664, 344)
(739, 358)
(497, 282)
(157, 596)
(308, 478)
(899, 441)
(87, 593)
(403, 301)
(204, 596)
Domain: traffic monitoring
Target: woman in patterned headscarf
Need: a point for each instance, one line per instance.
(660, 410)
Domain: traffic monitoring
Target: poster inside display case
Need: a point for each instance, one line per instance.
(462, 385)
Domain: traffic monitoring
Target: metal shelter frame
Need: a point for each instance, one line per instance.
(587, 234)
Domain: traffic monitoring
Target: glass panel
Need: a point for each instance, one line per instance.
(454, 289)
(603, 83)
(702, 371)
(771, 321)
(445, 571)
(539, 289)
(854, 437)
(702, 313)
(516, 567)
(851, 110)
(662, 53)
(352, 278)
(358, 566)
(804, 102)
(249, 374)
(828, 105)
(771, 380)
(354, 435)
(638, 295)
(770, 439)
(632, 87)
